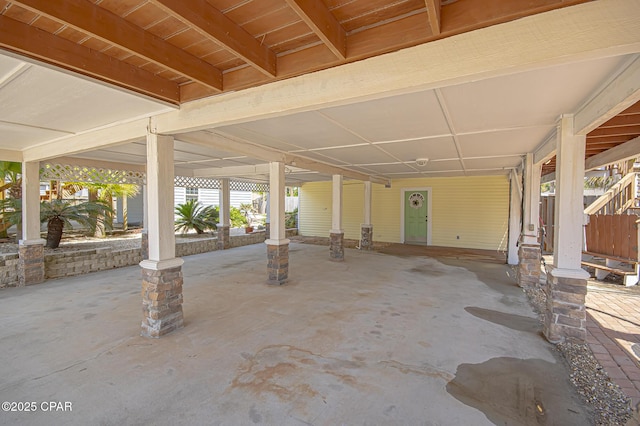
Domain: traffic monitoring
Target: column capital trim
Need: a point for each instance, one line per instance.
(159, 265)
(570, 273)
(275, 242)
(33, 242)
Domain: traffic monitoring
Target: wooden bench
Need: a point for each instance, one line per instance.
(629, 275)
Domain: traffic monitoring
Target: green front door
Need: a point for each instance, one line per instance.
(415, 217)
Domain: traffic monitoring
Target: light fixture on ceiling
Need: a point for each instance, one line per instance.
(421, 162)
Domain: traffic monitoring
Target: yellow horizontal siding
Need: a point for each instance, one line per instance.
(469, 212)
(314, 209)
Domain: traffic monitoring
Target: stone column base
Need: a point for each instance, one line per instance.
(366, 237)
(161, 297)
(565, 316)
(277, 261)
(223, 237)
(144, 244)
(336, 246)
(529, 266)
(30, 262)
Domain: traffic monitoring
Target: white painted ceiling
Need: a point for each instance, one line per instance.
(40, 104)
(478, 128)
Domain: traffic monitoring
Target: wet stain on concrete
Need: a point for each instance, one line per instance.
(254, 415)
(89, 316)
(429, 270)
(512, 321)
(421, 370)
(511, 391)
(492, 275)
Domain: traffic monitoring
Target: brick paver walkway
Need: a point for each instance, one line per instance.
(613, 333)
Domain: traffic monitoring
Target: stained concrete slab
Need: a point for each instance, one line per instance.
(377, 339)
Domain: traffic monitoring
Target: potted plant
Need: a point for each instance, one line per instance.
(247, 210)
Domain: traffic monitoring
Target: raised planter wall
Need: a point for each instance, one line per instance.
(197, 246)
(8, 270)
(67, 264)
(58, 265)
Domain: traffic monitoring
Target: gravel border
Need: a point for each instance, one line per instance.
(609, 405)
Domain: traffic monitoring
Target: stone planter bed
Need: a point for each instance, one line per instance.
(81, 255)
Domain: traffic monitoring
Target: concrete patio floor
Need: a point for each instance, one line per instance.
(378, 339)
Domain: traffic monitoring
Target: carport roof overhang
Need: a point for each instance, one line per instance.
(473, 104)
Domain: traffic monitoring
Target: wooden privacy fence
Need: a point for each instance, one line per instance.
(612, 235)
(547, 207)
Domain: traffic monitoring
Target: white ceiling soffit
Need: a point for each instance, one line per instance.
(39, 104)
(469, 128)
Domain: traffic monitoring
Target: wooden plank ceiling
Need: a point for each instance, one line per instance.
(618, 130)
(181, 50)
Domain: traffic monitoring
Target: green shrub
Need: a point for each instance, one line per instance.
(291, 219)
(193, 215)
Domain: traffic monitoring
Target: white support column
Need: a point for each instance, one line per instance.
(225, 202)
(162, 272)
(515, 218)
(31, 246)
(367, 203)
(144, 243)
(267, 225)
(224, 214)
(336, 244)
(277, 244)
(31, 202)
(565, 316)
(162, 241)
(336, 206)
(366, 229)
(276, 201)
(529, 248)
(531, 201)
(569, 208)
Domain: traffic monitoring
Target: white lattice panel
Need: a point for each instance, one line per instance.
(236, 185)
(70, 173)
(196, 182)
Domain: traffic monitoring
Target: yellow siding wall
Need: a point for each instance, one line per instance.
(475, 209)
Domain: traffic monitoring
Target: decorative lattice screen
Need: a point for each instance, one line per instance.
(196, 182)
(236, 185)
(69, 173)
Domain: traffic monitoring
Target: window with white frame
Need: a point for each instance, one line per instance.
(191, 194)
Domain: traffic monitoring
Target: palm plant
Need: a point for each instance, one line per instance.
(10, 176)
(105, 192)
(193, 215)
(58, 213)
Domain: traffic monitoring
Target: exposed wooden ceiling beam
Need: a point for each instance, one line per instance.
(322, 22)
(614, 139)
(84, 16)
(395, 35)
(216, 26)
(433, 9)
(633, 109)
(627, 150)
(617, 131)
(38, 44)
(622, 121)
